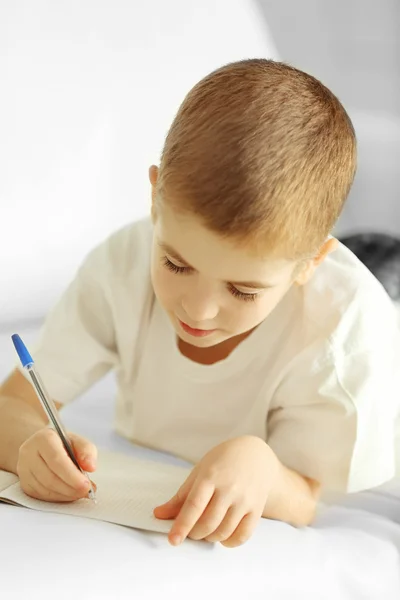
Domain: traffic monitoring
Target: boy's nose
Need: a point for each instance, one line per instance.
(200, 309)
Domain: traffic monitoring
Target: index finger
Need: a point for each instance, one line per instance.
(58, 461)
(191, 511)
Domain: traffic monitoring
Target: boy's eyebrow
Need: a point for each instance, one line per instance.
(255, 285)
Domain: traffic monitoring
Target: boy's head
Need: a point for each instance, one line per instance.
(260, 159)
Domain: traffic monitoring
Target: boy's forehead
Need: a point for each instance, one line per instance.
(185, 236)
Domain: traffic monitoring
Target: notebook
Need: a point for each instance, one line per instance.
(128, 489)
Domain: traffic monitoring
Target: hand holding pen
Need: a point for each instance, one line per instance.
(51, 462)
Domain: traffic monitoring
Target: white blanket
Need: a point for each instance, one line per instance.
(351, 552)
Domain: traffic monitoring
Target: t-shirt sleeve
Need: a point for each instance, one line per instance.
(76, 346)
(333, 415)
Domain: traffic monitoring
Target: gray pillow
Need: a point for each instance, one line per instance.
(380, 253)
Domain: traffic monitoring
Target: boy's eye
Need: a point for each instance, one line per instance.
(249, 297)
(173, 267)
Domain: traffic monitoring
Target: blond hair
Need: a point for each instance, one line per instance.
(263, 153)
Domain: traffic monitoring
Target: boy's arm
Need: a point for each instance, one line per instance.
(293, 499)
(76, 348)
(21, 415)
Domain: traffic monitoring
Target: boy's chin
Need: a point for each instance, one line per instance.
(202, 342)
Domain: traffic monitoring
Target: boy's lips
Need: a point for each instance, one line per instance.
(195, 332)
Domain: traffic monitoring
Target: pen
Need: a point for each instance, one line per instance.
(47, 403)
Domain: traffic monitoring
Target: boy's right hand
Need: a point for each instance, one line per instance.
(46, 472)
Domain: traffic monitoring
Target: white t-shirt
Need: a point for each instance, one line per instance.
(318, 379)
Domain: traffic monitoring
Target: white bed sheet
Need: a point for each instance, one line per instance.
(351, 552)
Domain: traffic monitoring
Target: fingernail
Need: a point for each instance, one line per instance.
(87, 459)
(176, 540)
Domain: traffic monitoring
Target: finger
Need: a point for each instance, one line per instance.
(227, 526)
(85, 452)
(212, 517)
(32, 487)
(170, 509)
(52, 451)
(192, 509)
(54, 483)
(243, 531)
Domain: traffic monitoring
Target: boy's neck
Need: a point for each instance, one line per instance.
(214, 354)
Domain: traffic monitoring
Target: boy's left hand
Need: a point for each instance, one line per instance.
(224, 496)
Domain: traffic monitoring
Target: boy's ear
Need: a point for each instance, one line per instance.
(153, 176)
(307, 272)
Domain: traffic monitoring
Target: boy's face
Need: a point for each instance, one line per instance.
(211, 290)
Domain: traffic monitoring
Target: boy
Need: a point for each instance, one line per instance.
(244, 338)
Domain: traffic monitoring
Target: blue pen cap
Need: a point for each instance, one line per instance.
(22, 351)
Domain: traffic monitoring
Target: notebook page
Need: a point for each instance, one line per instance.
(128, 489)
(6, 479)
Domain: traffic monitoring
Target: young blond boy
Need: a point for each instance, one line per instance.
(244, 338)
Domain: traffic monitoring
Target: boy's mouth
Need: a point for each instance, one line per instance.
(195, 332)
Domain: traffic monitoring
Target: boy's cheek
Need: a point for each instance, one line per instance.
(159, 280)
(251, 316)
(166, 290)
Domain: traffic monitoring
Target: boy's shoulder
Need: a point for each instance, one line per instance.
(131, 244)
(347, 303)
(125, 252)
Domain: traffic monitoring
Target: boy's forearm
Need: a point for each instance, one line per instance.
(18, 421)
(293, 499)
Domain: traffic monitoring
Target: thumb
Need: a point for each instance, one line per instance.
(85, 452)
(170, 509)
